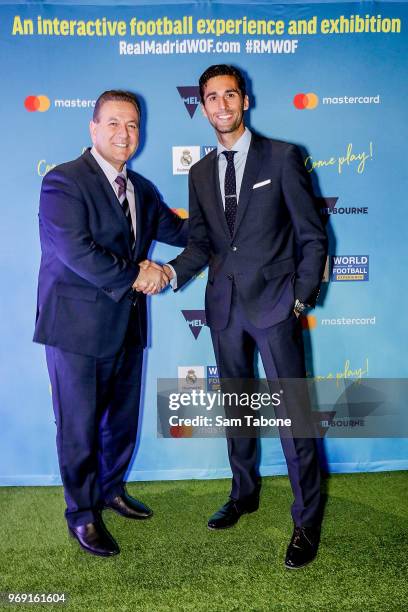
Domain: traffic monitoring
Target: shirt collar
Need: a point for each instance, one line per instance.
(110, 172)
(241, 146)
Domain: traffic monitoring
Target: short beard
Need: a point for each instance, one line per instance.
(232, 128)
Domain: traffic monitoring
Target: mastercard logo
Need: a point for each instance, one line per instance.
(181, 212)
(304, 101)
(37, 103)
(308, 322)
(181, 431)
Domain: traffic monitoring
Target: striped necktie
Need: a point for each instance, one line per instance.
(121, 181)
(230, 191)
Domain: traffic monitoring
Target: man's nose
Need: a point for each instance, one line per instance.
(222, 103)
(122, 130)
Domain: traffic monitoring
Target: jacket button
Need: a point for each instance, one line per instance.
(235, 248)
(230, 276)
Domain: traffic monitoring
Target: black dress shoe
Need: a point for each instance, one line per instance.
(230, 513)
(95, 539)
(302, 548)
(129, 507)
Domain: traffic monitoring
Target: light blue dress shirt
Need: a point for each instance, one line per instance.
(241, 147)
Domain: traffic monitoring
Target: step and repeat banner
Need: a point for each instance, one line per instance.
(330, 77)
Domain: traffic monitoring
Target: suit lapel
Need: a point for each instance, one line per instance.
(102, 182)
(139, 212)
(251, 171)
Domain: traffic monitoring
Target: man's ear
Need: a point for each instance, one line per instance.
(246, 103)
(203, 110)
(92, 128)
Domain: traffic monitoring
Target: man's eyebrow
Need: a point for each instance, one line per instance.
(214, 93)
(114, 118)
(211, 93)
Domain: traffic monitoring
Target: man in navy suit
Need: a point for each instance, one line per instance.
(253, 220)
(97, 222)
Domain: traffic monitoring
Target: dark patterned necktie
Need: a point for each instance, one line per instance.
(230, 191)
(121, 181)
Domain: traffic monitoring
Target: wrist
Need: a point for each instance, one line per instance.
(168, 271)
(300, 307)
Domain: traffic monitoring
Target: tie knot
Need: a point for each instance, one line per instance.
(121, 181)
(229, 155)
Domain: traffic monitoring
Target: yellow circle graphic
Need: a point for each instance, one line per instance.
(181, 212)
(311, 321)
(44, 103)
(312, 101)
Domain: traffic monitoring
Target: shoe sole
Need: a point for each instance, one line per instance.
(291, 567)
(134, 518)
(221, 528)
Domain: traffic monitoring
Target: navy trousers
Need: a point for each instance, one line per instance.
(282, 354)
(96, 407)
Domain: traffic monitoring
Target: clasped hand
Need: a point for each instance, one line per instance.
(152, 278)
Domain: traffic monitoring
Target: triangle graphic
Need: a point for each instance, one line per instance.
(327, 202)
(191, 98)
(196, 321)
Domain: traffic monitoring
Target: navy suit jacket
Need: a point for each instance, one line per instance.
(87, 266)
(279, 246)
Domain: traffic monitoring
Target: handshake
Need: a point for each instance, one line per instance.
(152, 277)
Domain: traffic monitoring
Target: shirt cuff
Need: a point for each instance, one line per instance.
(173, 282)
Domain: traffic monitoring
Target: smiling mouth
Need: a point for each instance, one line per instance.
(120, 145)
(224, 117)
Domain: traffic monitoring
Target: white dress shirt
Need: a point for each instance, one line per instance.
(111, 173)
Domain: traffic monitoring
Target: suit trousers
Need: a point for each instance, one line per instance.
(96, 407)
(282, 354)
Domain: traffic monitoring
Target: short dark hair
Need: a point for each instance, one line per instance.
(117, 95)
(221, 70)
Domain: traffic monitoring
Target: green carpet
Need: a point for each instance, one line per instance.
(174, 563)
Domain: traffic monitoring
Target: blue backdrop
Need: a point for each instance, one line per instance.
(322, 75)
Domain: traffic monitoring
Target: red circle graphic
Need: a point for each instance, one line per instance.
(32, 103)
(300, 101)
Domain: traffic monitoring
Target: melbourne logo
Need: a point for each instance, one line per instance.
(191, 98)
(350, 268)
(37, 103)
(328, 206)
(196, 321)
(304, 101)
